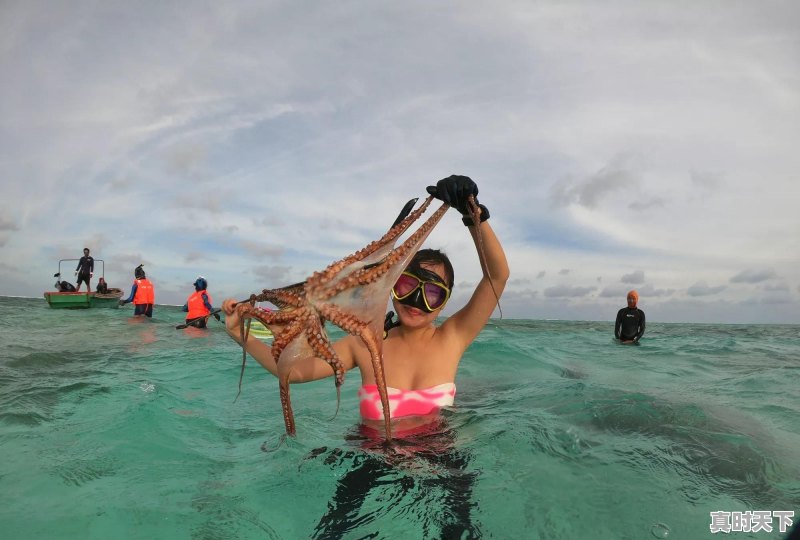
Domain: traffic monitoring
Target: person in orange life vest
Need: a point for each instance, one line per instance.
(198, 305)
(142, 295)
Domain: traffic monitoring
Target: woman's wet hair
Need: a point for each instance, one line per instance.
(434, 256)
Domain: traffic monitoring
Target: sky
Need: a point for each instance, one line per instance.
(618, 145)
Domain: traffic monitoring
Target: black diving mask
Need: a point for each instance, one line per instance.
(421, 289)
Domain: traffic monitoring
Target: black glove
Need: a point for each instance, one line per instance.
(467, 220)
(455, 190)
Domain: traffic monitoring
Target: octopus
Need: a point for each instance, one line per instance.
(352, 294)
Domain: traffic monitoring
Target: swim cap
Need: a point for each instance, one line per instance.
(635, 296)
(200, 284)
(138, 273)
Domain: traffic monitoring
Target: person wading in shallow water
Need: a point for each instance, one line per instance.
(629, 327)
(142, 294)
(420, 363)
(198, 306)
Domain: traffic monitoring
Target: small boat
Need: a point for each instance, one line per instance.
(83, 300)
(260, 331)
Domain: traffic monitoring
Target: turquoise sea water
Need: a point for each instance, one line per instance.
(118, 428)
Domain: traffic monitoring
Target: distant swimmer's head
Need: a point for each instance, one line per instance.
(633, 299)
(200, 284)
(138, 273)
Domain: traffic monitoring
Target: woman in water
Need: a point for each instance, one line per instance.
(420, 358)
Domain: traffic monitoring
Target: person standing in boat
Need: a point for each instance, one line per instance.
(85, 270)
(198, 306)
(142, 295)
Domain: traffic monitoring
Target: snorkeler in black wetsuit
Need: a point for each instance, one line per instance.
(629, 327)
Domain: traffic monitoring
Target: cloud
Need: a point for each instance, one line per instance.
(272, 274)
(701, 288)
(614, 291)
(609, 136)
(636, 277)
(194, 201)
(641, 206)
(777, 287)
(259, 249)
(268, 222)
(563, 271)
(566, 291)
(777, 300)
(186, 160)
(97, 243)
(126, 263)
(610, 179)
(7, 225)
(193, 256)
(706, 180)
(753, 276)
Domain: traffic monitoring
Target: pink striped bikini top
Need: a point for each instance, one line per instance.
(405, 402)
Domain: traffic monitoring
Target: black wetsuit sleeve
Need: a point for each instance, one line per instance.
(640, 333)
(91, 264)
(618, 324)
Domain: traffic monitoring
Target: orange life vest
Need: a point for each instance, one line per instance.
(196, 306)
(144, 292)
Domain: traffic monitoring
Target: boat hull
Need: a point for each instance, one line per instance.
(82, 300)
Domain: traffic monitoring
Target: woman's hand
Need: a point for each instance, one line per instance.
(455, 190)
(231, 316)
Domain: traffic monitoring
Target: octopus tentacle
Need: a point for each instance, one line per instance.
(286, 403)
(352, 325)
(246, 313)
(321, 345)
(475, 214)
